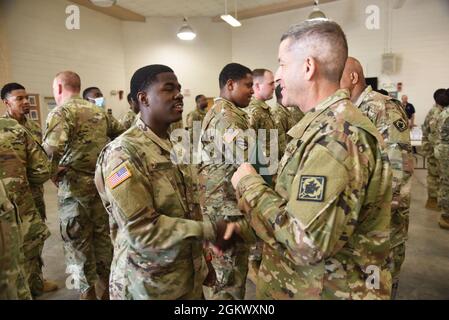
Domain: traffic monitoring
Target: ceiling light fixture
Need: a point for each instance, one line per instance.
(229, 18)
(317, 14)
(186, 32)
(104, 3)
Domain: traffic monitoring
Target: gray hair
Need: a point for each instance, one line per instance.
(325, 41)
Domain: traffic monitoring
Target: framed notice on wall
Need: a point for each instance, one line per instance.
(50, 103)
(35, 110)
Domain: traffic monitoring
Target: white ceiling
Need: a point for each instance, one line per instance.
(190, 8)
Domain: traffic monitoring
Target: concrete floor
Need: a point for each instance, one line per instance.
(425, 273)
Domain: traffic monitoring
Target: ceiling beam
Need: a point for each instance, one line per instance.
(114, 11)
(271, 9)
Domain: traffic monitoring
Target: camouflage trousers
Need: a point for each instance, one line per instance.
(38, 197)
(84, 226)
(396, 259)
(433, 177)
(443, 190)
(35, 233)
(231, 270)
(13, 284)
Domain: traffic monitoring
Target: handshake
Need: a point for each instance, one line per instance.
(227, 234)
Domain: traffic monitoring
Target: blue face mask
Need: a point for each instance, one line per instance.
(99, 102)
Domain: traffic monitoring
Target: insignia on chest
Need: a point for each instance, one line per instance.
(312, 188)
(118, 176)
(400, 125)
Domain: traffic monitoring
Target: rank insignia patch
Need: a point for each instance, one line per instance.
(400, 125)
(312, 188)
(118, 176)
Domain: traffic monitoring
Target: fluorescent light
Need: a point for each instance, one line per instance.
(186, 32)
(231, 20)
(104, 3)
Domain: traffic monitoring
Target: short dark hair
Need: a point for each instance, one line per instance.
(198, 97)
(146, 76)
(88, 90)
(232, 71)
(129, 98)
(441, 97)
(325, 41)
(8, 88)
(383, 91)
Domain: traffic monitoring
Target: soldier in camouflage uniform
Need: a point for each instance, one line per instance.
(391, 121)
(260, 118)
(326, 226)
(296, 113)
(130, 117)
(442, 155)
(429, 140)
(284, 119)
(76, 133)
(196, 116)
(227, 122)
(24, 162)
(11, 253)
(156, 228)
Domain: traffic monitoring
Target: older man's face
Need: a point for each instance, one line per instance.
(290, 74)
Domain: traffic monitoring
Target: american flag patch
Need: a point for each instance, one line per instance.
(118, 176)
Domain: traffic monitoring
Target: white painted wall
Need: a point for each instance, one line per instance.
(106, 51)
(419, 35)
(196, 63)
(40, 46)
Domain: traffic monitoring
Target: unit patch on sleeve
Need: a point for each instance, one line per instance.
(312, 188)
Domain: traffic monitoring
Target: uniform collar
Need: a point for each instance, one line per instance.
(261, 103)
(232, 106)
(298, 130)
(7, 115)
(164, 144)
(363, 96)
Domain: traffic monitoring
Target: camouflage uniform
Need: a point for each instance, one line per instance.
(33, 167)
(326, 227)
(429, 140)
(442, 155)
(225, 120)
(128, 119)
(176, 125)
(11, 253)
(37, 190)
(260, 118)
(284, 119)
(391, 122)
(195, 116)
(76, 133)
(296, 114)
(155, 225)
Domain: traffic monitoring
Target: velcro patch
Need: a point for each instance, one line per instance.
(400, 125)
(118, 176)
(312, 188)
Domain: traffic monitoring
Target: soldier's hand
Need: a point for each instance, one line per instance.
(244, 170)
(227, 235)
(59, 175)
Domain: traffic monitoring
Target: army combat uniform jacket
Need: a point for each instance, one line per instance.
(326, 227)
(156, 229)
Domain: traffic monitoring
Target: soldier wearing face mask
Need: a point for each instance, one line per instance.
(95, 96)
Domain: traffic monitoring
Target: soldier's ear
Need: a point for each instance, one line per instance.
(354, 77)
(309, 67)
(230, 85)
(142, 99)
